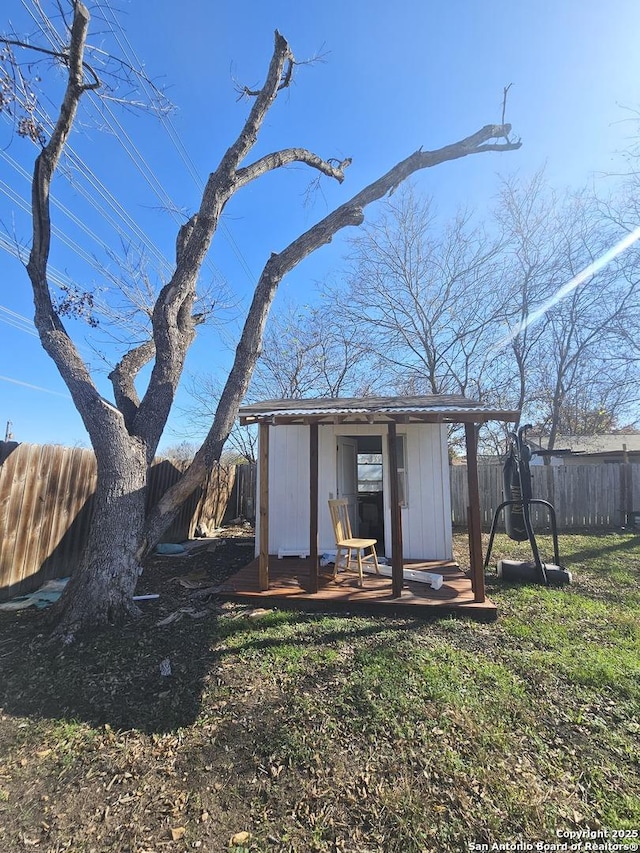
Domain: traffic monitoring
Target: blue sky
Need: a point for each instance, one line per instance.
(393, 77)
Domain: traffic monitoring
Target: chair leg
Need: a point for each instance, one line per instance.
(375, 559)
(360, 574)
(336, 565)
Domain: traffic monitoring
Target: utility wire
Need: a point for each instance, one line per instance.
(105, 200)
(18, 321)
(132, 58)
(48, 32)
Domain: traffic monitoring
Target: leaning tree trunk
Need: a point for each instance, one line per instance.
(102, 586)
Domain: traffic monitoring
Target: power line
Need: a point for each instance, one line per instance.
(111, 202)
(100, 197)
(129, 52)
(48, 32)
(34, 387)
(72, 216)
(17, 321)
(51, 35)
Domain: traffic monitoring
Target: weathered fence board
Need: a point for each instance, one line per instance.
(46, 495)
(244, 493)
(597, 495)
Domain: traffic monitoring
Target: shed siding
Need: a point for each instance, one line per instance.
(327, 484)
(426, 521)
(288, 489)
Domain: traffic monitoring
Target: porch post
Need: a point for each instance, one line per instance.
(397, 576)
(473, 514)
(313, 507)
(263, 565)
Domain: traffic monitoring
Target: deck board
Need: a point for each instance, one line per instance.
(289, 584)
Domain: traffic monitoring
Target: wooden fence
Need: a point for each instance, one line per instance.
(46, 494)
(242, 503)
(46, 503)
(596, 495)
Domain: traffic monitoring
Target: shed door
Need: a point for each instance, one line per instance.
(347, 476)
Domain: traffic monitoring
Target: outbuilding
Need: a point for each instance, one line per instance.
(388, 456)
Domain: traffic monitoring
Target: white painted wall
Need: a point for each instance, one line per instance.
(288, 489)
(426, 520)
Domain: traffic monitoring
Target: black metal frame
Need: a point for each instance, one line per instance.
(522, 455)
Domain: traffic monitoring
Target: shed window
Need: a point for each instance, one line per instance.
(369, 472)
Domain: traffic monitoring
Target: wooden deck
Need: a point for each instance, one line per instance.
(288, 589)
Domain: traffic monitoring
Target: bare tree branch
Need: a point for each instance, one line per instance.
(176, 298)
(53, 335)
(287, 156)
(505, 92)
(123, 379)
(56, 54)
(248, 349)
(286, 72)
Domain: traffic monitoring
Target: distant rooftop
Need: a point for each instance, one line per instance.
(447, 408)
(607, 443)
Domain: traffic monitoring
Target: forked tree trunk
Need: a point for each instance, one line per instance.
(101, 589)
(125, 436)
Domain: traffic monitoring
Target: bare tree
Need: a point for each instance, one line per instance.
(533, 318)
(306, 352)
(309, 351)
(421, 293)
(564, 305)
(204, 392)
(529, 255)
(182, 451)
(621, 210)
(125, 433)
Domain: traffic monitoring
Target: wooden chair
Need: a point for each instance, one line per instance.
(347, 545)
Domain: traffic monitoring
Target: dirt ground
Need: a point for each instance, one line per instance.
(91, 736)
(189, 580)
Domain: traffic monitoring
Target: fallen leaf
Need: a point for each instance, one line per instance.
(177, 832)
(240, 838)
(177, 614)
(259, 611)
(197, 614)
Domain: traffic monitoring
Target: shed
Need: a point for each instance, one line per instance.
(387, 455)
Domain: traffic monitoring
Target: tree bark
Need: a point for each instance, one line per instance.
(101, 588)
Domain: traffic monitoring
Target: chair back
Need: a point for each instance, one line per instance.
(339, 511)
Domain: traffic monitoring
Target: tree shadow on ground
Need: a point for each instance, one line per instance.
(115, 677)
(621, 545)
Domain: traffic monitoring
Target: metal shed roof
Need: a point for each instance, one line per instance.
(449, 408)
